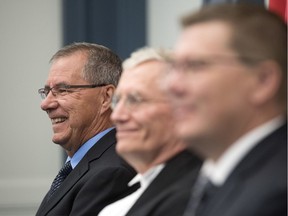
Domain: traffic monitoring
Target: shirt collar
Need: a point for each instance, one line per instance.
(146, 178)
(219, 171)
(86, 147)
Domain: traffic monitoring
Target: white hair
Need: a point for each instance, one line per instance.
(143, 55)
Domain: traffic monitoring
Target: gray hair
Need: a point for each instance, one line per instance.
(103, 66)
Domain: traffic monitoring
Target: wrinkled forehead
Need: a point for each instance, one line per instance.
(66, 69)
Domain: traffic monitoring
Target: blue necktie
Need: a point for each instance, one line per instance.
(63, 173)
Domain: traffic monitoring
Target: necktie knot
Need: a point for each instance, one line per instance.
(201, 191)
(66, 169)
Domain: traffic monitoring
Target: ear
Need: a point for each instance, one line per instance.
(107, 93)
(268, 78)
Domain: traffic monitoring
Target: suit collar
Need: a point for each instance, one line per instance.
(262, 152)
(183, 164)
(81, 152)
(219, 171)
(272, 148)
(80, 170)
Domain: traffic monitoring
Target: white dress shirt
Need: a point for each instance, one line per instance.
(219, 171)
(122, 206)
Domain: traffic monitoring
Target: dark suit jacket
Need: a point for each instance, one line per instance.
(258, 185)
(168, 193)
(101, 177)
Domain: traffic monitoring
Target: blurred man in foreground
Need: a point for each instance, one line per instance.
(228, 85)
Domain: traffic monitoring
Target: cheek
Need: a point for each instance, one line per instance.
(159, 126)
(89, 115)
(81, 112)
(152, 128)
(223, 97)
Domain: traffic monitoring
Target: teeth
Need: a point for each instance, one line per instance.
(58, 120)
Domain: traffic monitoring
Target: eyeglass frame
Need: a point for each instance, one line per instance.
(202, 63)
(64, 88)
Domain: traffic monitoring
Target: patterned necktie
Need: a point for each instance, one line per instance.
(201, 189)
(63, 173)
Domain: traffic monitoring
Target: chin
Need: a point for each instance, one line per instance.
(58, 140)
(181, 129)
(187, 134)
(123, 146)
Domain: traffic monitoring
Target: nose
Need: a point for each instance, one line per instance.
(120, 112)
(50, 102)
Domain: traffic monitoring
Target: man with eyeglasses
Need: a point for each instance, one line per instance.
(77, 98)
(143, 119)
(228, 87)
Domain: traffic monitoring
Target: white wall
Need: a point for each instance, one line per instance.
(30, 34)
(164, 20)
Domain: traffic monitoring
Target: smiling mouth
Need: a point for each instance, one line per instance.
(58, 120)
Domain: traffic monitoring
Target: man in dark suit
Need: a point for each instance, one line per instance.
(143, 118)
(77, 97)
(228, 85)
(169, 192)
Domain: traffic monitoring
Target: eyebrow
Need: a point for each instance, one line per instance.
(57, 85)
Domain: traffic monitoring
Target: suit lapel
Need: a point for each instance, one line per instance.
(180, 165)
(80, 170)
(252, 162)
(260, 154)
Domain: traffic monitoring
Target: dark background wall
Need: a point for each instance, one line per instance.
(117, 24)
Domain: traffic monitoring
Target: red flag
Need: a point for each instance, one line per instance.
(279, 7)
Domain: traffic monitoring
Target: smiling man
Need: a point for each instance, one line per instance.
(145, 139)
(77, 98)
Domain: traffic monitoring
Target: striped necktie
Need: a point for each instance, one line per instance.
(63, 173)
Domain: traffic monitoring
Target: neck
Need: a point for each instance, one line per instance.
(143, 162)
(214, 147)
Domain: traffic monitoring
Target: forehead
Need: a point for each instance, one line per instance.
(207, 38)
(67, 69)
(144, 77)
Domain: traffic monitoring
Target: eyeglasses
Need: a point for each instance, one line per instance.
(63, 89)
(202, 64)
(192, 65)
(132, 102)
